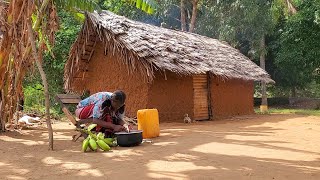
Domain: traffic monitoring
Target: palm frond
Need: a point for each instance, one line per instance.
(148, 6)
(78, 5)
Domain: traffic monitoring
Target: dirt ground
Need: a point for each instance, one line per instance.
(250, 147)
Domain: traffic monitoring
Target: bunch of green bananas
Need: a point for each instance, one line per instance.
(93, 141)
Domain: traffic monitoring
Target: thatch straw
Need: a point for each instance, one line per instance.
(146, 48)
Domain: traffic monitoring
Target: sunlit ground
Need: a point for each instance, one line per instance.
(268, 146)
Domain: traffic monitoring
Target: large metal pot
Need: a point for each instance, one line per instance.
(132, 138)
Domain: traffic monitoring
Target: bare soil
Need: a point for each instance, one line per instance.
(247, 147)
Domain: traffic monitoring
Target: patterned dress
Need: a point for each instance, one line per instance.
(96, 100)
(91, 107)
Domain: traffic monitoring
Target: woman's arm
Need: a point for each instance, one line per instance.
(103, 123)
(120, 115)
(85, 121)
(109, 125)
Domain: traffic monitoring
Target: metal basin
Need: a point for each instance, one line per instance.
(133, 138)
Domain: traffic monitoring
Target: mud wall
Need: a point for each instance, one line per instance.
(172, 97)
(105, 73)
(231, 97)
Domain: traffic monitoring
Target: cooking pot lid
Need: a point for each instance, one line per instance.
(131, 132)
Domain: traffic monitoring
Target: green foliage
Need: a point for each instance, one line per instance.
(33, 90)
(126, 7)
(168, 14)
(291, 111)
(34, 101)
(209, 20)
(77, 5)
(310, 90)
(251, 18)
(147, 6)
(65, 37)
(297, 60)
(119, 7)
(33, 96)
(293, 61)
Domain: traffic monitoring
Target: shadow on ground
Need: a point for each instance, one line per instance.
(251, 147)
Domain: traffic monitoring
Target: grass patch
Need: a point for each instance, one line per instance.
(309, 112)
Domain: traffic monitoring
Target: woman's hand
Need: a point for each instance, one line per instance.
(127, 127)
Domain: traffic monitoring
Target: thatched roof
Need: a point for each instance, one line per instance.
(145, 48)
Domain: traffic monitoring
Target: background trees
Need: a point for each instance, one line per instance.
(282, 35)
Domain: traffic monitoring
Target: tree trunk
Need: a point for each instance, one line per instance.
(264, 100)
(183, 15)
(5, 41)
(4, 56)
(44, 82)
(293, 92)
(2, 111)
(194, 15)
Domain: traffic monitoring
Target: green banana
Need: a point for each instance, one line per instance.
(108, 141)
(90, 147)
(93, 136)
(103, 145)
(91, 126)
(85, 144)
(100, 135)
(93, 144)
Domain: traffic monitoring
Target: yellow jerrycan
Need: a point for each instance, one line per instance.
(148, 122)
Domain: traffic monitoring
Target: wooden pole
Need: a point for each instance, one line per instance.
(44, 81)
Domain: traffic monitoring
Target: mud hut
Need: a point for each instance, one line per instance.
(176, 72)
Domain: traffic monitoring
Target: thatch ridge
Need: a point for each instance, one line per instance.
(145, 48)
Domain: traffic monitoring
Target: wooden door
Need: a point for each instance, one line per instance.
(200, 97)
